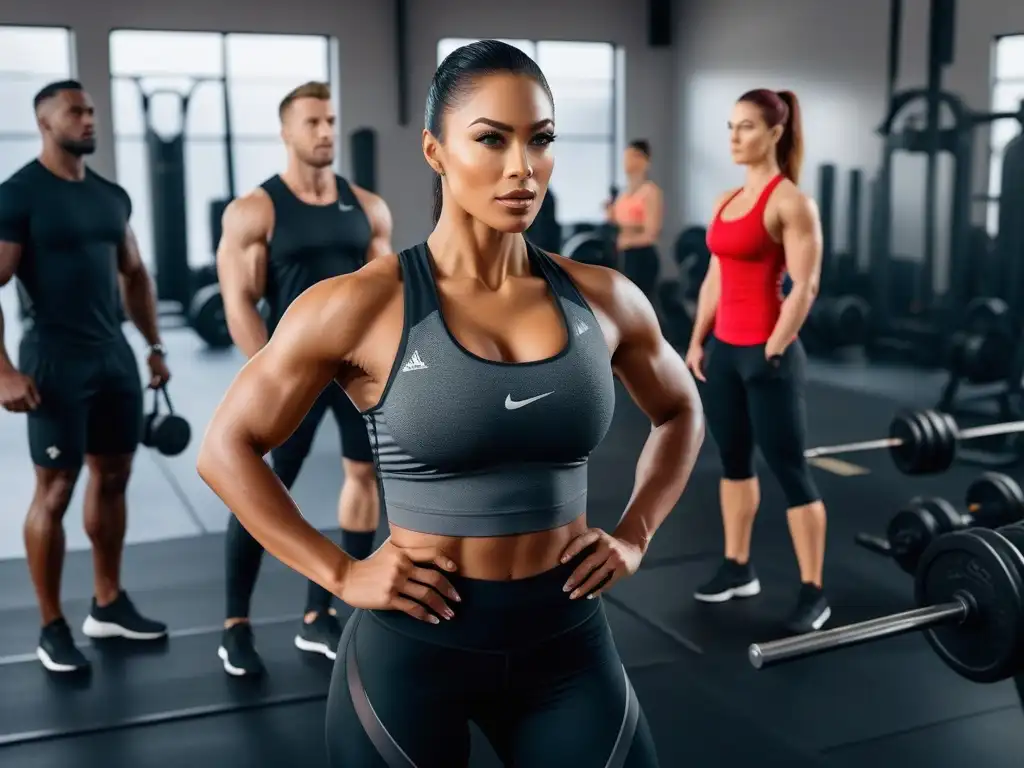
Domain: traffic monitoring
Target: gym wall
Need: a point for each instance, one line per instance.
(367, 68)
(833, 55)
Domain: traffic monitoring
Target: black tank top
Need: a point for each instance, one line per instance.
(466, 446)
(311, 243)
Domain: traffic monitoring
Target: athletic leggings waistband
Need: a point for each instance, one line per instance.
(501, 615)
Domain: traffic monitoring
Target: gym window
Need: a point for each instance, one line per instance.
(30, 57)
(1007, 93)
(236, 82)
(585, 79)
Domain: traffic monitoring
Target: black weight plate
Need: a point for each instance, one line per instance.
(1013, 534)
(206, 316)
(851, 320)
(946, 434)
(985, 314)
(994, 500)
(692, 243)
(916, 455)
(587, 248)
(987, 647)
(917, 525)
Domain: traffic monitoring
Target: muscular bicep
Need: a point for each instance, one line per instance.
(242, 253)
(10, 258)
(802, 240)
(648, 366)
(274, 391)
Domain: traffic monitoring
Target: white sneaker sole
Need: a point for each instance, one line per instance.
(102, 630)
(308, 647)
(232, 670)
(52, 665)
(747, 590)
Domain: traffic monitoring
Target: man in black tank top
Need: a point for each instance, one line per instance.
(296, 229)
(64, 233)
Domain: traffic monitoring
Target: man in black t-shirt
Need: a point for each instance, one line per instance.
(64, 234)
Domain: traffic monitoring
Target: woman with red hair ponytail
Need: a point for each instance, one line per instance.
(753, 371)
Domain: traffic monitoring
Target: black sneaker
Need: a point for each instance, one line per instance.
(811, 612)
(57, 650)
(731, 580)
(238, 651)
(321, 635)
(120, 619)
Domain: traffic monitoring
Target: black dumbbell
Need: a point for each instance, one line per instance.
(993, 500)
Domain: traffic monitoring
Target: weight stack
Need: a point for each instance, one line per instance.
(363, 149)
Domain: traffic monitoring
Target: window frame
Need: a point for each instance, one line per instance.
(72, 71)
(994, 154)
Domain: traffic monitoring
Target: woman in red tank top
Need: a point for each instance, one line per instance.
(753, 368)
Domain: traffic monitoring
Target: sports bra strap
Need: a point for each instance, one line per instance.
(420, 293)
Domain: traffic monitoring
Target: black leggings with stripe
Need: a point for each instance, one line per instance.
(538, 673)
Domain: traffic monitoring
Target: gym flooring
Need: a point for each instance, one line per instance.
(170, 704)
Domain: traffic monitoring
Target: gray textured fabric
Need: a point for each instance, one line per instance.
(471, 447)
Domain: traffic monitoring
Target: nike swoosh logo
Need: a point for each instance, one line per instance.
(343, 208)
(512, 405)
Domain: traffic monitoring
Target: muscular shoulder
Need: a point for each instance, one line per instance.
(346, 308)
(249, 216)
(793, 204)
(373, 206)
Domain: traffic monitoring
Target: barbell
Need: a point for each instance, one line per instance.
(991, 501)
(920, 442)
(969, 587)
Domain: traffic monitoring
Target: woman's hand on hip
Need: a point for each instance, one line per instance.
(392, 579)
(611, 560)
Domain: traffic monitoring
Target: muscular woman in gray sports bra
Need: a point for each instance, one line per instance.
(484, 369)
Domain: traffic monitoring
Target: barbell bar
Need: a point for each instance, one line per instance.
(920, 442)
(969, 588)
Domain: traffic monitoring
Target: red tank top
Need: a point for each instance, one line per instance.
(751, 265)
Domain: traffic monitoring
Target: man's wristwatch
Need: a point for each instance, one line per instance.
(158, 349)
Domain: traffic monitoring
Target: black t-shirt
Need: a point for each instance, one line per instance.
(70, 233)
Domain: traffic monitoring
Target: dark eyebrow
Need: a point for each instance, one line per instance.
(508, 128)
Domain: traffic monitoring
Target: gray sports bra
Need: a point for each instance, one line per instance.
(466, 446)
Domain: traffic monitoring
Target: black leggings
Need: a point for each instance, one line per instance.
(746, 400)
(642, 265)
(537, 672)
(243, 554)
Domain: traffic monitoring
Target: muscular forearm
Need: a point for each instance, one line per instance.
(792, 316)
(247, 328)
(707, 305)
(5, 361)
(140, 304)
(250, 489)
(662, 473)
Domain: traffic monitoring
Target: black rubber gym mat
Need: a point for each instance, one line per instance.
(132, 680)
(992, 739)
(127, 685)
(851, 695)
(690, 727)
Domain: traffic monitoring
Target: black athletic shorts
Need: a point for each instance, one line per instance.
(355, 441)
(537, 672)
(90, 401)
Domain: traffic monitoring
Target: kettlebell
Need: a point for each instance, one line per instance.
(168, 433)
